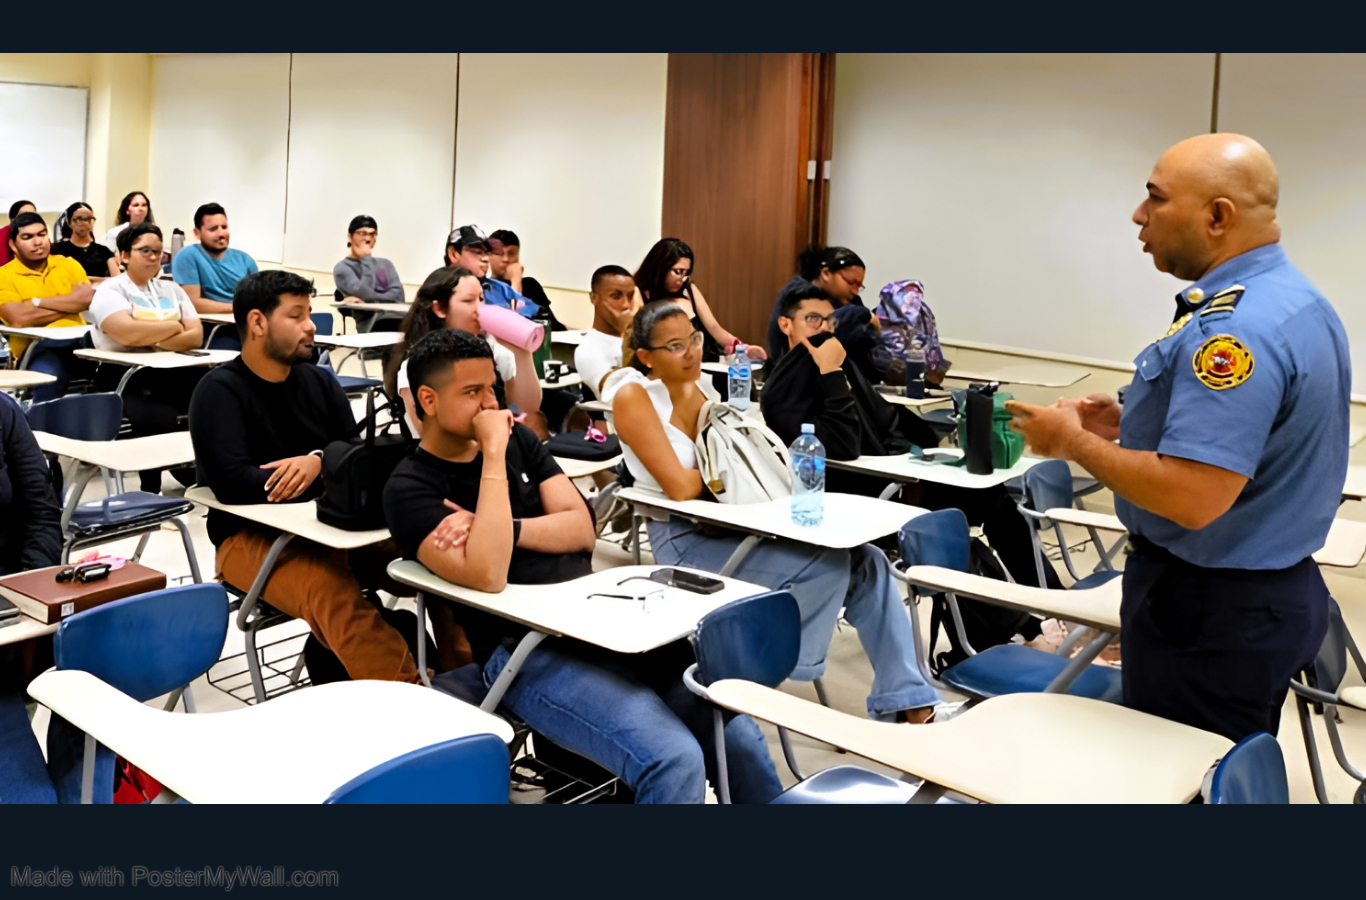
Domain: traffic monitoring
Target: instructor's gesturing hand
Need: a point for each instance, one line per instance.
(1048, 430)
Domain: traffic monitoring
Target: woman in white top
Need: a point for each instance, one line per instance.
(138, 312)
(450, 298)
(657, 408)
(135, 209)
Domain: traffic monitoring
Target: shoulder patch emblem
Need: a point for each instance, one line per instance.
(1224, 301)
(1177, 326)
(1222, 362)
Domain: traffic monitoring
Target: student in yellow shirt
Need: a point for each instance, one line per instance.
(38, 290)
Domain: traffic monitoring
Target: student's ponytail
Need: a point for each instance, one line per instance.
(815, 257)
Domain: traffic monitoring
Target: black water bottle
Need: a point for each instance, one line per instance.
(980, 404)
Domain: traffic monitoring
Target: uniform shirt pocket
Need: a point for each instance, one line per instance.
(1150, 363)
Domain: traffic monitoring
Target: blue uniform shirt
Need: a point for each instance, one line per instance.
(500, 293)
(217, 278)
(1257, 381)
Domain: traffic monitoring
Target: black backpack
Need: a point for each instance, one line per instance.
(356, 468)
(986, 624)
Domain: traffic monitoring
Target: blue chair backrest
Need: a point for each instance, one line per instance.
(80, 417)
(150, 644)
(754, 639)
(1252, 772)
(1330, 666)
(322, 322)
(939, 538)
(471, 769)
(1048, 485)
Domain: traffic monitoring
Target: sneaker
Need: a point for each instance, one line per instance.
(945, 711)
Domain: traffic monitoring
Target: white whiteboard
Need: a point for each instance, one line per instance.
(42, 144)
(1006, 182)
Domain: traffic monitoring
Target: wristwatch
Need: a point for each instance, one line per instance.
(38, 302)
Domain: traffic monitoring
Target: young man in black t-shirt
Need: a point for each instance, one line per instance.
(259, 425)
(482, 503)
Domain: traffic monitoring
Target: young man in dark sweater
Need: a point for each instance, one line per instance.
(483, 504)
(259, 426)
(815, 382)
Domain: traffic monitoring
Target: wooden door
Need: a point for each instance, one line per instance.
(741, 130)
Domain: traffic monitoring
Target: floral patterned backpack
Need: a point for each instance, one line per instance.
(903, 314)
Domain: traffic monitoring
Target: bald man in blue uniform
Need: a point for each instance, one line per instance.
(1231, 454)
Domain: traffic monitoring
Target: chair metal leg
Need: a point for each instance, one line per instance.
(789, 754)
(298, 669)
(88, 770)
(1330, 721)
(635, 536)
(184, 530)
(820, 692)
(173, 699)
(504, 680)
(187, 697)
(258, 684)
(422, 638)
(142, 545)
(722, 775)
(1311, 749)
(1076, 636)
(1063, 680)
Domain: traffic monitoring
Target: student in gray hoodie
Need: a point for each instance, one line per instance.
(363, 277)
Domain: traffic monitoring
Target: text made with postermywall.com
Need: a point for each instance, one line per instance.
(142, 876)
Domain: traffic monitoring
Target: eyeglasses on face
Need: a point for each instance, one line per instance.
(816, 320)
(148, 251)
(678, 348)
(856, 285)
(83, 219)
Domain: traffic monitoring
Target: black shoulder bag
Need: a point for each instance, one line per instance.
(356, 468)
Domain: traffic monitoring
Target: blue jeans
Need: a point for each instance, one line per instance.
(822, 580)
(633, 716)
(52, 358)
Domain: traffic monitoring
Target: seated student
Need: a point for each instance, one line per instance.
(614, 299)
(78, 243)
(363, 277)
(839, 272)
(467, 247)
(656, 407)
(666, 274)
(259, 426)
(18, 206)
(134, 209)
(505, 264)
(137, 311)
(450, 298)
(816, 382)
(482, 504)
(209, 271)
(38, 290)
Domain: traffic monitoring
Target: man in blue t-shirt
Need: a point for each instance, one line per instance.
(209, 271)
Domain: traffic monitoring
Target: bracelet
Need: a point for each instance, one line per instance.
(516, 531)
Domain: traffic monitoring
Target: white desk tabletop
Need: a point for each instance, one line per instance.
(1355, 485)
(1032, 374)
(365, 341)
(308, 743)
(296, 518)
(160, 359)
(158, 451)
(850, 519)
(1096, 607)
(902, 468)
(624, 626)
(373, 307)
(567, 379)
(721, 368)
(1345, 546)
(20, 378)
(1017, 748)
(65, 333)
(1355, 435)
(573, 338)
(27, 627)
(579, 468)
(218, 318)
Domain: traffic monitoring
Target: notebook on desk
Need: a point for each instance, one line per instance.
(9, 613)
(38, 593)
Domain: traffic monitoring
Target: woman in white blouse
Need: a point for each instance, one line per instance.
(141, 313)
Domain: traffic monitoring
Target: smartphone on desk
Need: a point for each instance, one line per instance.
(193, 352)
(688, 581)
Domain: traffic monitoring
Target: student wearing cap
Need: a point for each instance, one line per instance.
(18, 206)
(38, 290)
(467, 246)
(209, 270)
(363, 277)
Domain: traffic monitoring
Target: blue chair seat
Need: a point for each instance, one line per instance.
(354, 383)
(1015, 669)
(847, 784)
(127, 509)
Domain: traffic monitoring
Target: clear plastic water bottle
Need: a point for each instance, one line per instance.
(915, 368)
(808, 478)
(739, 377)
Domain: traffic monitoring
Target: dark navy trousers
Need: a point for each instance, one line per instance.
(1215, 648)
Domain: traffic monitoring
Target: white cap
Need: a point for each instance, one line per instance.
(808, 428)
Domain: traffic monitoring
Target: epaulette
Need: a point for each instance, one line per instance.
(1225, 301)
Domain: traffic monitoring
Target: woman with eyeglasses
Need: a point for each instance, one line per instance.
(78, 242)
(658, 409)
(839, 273)
(134, 209)
(451, 298)
(666, 274)
(139, 312)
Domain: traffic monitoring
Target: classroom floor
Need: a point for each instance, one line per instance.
(848, 676)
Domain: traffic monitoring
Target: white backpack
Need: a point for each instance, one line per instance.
(741, 460)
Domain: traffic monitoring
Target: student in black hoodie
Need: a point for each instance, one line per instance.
(815, 381)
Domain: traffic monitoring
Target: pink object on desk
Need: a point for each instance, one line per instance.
(512, 328)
